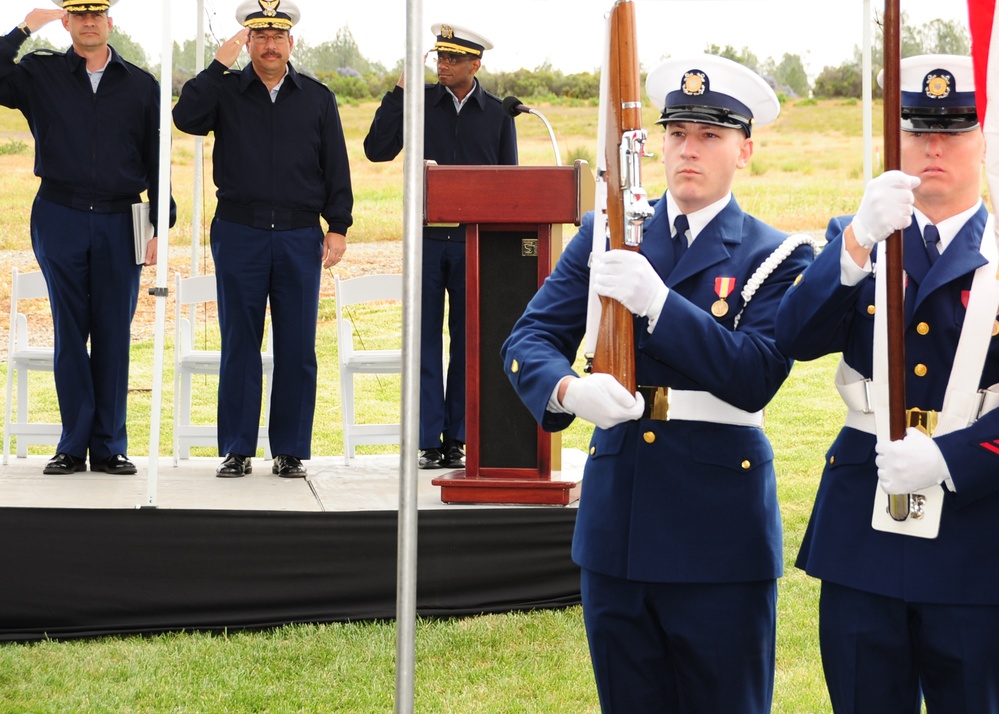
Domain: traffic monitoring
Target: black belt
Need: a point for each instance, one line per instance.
(85, 200)
(266, 217)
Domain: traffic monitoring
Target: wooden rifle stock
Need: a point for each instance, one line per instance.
(615, 348)
(898, 506)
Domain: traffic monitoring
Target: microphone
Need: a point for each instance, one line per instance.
(513, 107)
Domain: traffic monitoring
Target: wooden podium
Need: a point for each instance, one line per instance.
(514, 217)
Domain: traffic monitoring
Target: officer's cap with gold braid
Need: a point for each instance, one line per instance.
(708, 89)
(459, 40)
(268, 14)
(85, 5)
(938, 94)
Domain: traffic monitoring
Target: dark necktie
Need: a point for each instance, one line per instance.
(681, 225)
(932, 238)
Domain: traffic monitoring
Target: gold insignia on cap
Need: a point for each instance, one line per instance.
(693, 83)
(446, 32)
(937, 86)
(269, 7)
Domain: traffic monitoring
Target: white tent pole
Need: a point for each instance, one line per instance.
(162, 250)
(197, 208)
(868, 96)
(412, 259)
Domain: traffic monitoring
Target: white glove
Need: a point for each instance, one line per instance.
(601, 400)
(885, 208)
(626, 276)
(910, 464)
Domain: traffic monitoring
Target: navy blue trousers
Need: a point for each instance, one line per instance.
(251, 266)
(442, 408)
(88, 260)
(681, 647)
(880, 654)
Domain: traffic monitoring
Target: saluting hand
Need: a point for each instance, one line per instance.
(228, 53)
(39, 18)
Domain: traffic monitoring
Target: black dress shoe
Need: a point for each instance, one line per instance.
(287, 466)
(114, 464)
(234, 466)
(431, 459)
(454, 455)
(63, 463)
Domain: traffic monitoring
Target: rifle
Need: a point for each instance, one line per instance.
(898, 506)
(627, 205)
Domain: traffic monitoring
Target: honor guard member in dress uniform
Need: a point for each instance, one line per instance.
(280, 166)
(902, 616)
(95, 121)
(464, 124)
(678, 533)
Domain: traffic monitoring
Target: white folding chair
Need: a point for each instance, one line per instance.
(22, 357)
(365, 289)
(189, 361)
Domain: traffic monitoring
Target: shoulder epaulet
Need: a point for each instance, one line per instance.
(46, 52)
(307, 74)
(492, 96)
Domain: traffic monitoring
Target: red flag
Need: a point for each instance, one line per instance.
(981, 14)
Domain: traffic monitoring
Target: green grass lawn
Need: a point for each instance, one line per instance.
(806, 167)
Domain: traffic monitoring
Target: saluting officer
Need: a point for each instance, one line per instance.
(95, 121)
(901, 614)
(464, 124)
(280, 165)
(678, 533)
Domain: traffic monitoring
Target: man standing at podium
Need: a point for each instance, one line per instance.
(464, 125)
(678, 533)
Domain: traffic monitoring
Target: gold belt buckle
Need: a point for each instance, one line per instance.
(925, 421)
(660, 404)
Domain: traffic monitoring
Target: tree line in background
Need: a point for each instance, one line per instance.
(340, 64)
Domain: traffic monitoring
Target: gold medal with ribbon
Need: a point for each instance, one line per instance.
(723, 288)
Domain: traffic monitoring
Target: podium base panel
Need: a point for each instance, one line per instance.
(459, 487)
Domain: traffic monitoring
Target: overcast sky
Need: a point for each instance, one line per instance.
(527, 33)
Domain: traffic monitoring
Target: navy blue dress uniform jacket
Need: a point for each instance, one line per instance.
(265, 179)
(820, 316)
(482, 134)
(82, 156)
(676, 501)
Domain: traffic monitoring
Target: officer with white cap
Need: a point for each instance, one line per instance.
(280, 166)
(905, 618)
(678, 534)
(95, 121)
(464, 124)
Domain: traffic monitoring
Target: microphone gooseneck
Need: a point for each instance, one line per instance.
(513, 107)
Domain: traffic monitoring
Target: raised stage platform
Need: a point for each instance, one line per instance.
(84, 555)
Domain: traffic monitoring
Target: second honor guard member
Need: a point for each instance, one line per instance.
(679, 533)
(280, 165)
(96, 125)
(902, 616)
(464, 124)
